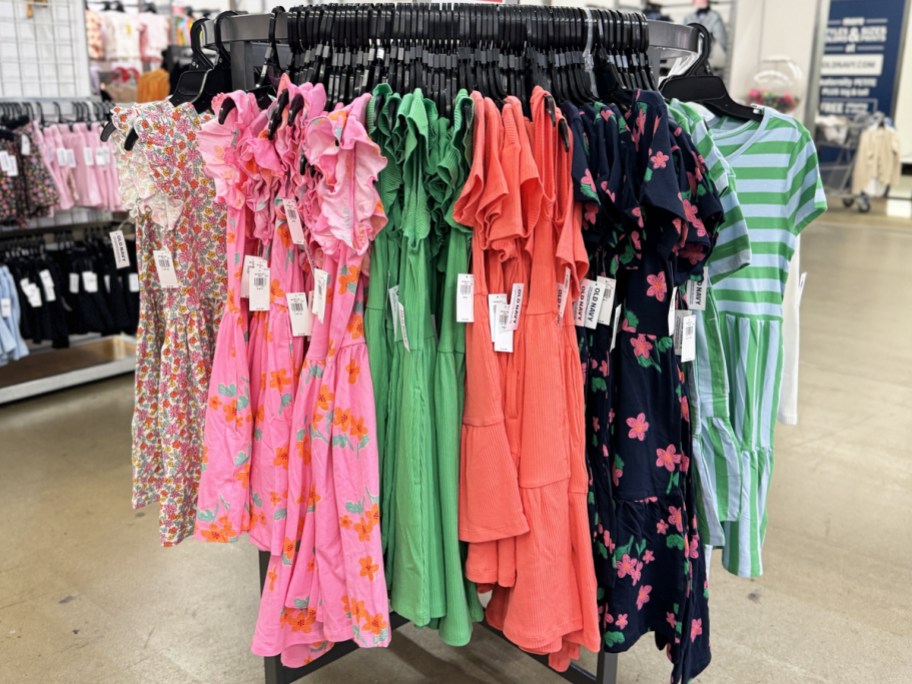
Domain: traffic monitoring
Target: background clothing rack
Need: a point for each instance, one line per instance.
(247, 37)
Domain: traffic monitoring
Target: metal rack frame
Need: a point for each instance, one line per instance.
(241, 34)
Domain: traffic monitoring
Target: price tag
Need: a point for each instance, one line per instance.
(672, 301)
(133, 282)
(503, 338)
(801, 280)
(465, 298)
(394, 309)
(294, 221)
(119, 246)
(47, 282)
(6, 307)
(88, 156)
(90, 281)
(616, 326)
(25, 146)
(606, 311)
(13, 169)
(74, 283)
(101, 156)
(695, 292)
(71, 158)
(516, 299)
(563, 290)
(4, 161)
(62, 159)
(167, 276)
(405, 340)
(581, 305)
(259, 289)
(301, 316)
(493, 301)
(321, 286)
(685, 337)
(34, 296)
(250, 263)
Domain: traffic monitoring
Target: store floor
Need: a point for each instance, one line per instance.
(87, 595)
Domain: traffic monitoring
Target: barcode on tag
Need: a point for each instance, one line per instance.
(685, 335)
(493, 301)
(503, 338)
(695, 292)
(165, 267)
(299, 312)
(294, 221)
(47, 282)
(394, 310)
(465, 298)
(90, 281)
(516, 299)
(251, 263)
(119, 245)
(6, 307)
(70, 158)
(402, 328)
(259, 289)
(321, 285)
(606, 310)
(62, 159)
(34, 296)
(88, 156)
(563, 291)
(101, 156)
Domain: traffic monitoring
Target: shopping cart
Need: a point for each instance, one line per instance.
(837, 144)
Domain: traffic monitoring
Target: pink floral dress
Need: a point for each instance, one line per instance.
(328, 583)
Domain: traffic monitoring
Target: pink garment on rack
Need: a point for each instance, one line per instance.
(53, 154)
(87, 192)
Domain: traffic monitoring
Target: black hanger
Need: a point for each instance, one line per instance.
(699, 85)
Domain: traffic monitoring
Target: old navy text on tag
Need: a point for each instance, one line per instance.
(119, 246)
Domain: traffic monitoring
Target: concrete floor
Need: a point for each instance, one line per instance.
(87, 595)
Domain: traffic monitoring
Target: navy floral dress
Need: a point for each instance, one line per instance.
(651, 217)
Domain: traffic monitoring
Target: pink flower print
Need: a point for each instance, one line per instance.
(606, 537)
(616, 475)
(635, 239)
(643, 596)
(637, 573)
(641, 346)
(693, 550)
(595, 424)
(605, 450)
(587, 181)
(636, 211)
(626, 327)
(696, 628)
(590, 211)
(692, 183)
(657, 286)
(638, 427)
(621, 621)
(626, 566)
(648, 556)
(603, 368)
(610, 416)
(677, 132)
(670, 619)
(606, 114)
(674, 518)
(641, 122)
(693, 218)
(659, 159)
(662, 527)
(685, 408)
(685, 463)
(668, 458)
(593, 363)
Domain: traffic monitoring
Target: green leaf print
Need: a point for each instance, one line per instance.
(590, 498)
(603, 550)
(340, 441)
(641, 547)
(599, 384)
(613, 638)
(664, 344)
(364, 442)
(257, 500)
(206, 515)
(242, 402)
(240, 459)
(301, 604)
(647, 362)
(258, 434)
(370, 497)
(279, 514)
(632, 320)
(299, 435)
(354, 507)
(621, 550)
(648, 175)
(675, 541)
(600, 593)
(227, 390)
(286, 399)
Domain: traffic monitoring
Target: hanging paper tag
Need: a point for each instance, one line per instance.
(594, 305)
(606, 311)
(74, 283)
(294, 221)
(616, 324)
(119, 245)
(695, 292)
(62, 159)
(516, 299)
(503, 338)
(101, 156)
(394, 309)
(321, 285)
(402, 328)
(801, 280)
(685, 335)
(465, 298)
(90, 281)
(259, 289)
(133, 282)
(301, 316)
(88, 156)
(250, 263)
(672, 305)
(6, 307)
(493, 301)
(47, 282)
(165, 267)
(563, 290)
(4, 161)
(107, 282)
(581, 305)
(13, 167)
(34, 296)
(25, 147)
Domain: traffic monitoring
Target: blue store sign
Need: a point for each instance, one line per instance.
(861, 56)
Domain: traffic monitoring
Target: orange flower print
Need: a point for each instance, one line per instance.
(304, 452)
(375, 624)
(324, 397)
(300, 620)
(275, 498)
(353, 370)
(279, 380)
(368, 567)
(342, 418)
(275, 290)
(215, 403)
(364, 529)
(358, 430)
(313, 498)
(281, 457)
(349, 278)
(243, 476)
(356, 326)
(317, 419)
(272, 576)
(345, 522)
(373, 515)
(258, 416)
(312, 564)
(288, 547)
(230, 412)
(221, 531)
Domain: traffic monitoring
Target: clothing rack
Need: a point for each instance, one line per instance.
(247, 37)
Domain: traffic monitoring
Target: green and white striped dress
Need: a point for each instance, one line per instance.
(778, 185)
(716, 451)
